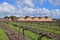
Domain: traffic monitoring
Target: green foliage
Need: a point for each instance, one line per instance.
(12, 17)
(45, 38)
(46, 16)
(3, 35)
(6, 17)
(26, 16)
(31, 35)
(48, 27)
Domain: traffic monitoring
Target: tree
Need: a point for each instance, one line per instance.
(12, 17)
(6, 17)
(46, 16)
(26, 16)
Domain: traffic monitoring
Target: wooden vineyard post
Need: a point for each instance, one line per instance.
(39, 37)
(23, 34)
(19, 31)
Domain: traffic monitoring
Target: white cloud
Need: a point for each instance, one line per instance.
(33, 10)
(20, 2)
(47, 12)
(42, 1)
(54, 2)
(25, 2)
(42, 10)
(5, 7)
(29, 3)
(56, 12)
(28, 10)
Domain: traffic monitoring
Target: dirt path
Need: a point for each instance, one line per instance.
(12, 34)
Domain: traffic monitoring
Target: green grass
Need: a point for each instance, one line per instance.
(48, 27)
(47, 30)
(29, 34)
(45, 38)
(3, 35)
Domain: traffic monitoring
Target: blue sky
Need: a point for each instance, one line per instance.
(12, 2)
(30, 8)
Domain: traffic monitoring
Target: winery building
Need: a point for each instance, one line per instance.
(44, 19)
